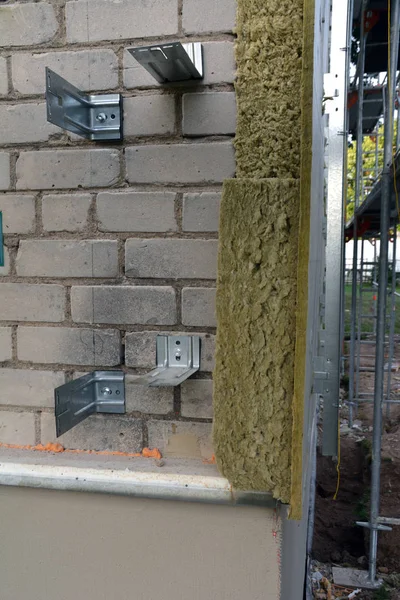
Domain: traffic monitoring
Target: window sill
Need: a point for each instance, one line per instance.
(177, 479)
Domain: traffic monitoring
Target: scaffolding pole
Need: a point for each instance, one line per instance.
(374, 524)
(358, 188)
(392, 321)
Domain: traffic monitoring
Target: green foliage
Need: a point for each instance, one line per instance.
(372, 166)
(381, 593)
(372, 162)
(361, 509)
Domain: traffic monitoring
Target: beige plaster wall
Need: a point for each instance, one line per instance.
(76, 546)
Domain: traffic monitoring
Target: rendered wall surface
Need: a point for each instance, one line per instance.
(99, 547)
(109, 244)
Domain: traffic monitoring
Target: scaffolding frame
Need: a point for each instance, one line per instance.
(365, 225)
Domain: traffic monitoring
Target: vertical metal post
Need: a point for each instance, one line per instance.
(382, 288)
(392, 322)
(363, 177)
(359, 326)
(357, 196)
(375, 281)
(397, 127)
(336, 155)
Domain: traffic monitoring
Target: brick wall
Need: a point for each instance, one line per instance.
(107, 245)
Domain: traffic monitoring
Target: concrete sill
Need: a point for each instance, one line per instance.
(177, 479)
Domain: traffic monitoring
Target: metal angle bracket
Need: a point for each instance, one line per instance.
(95, 118)
(178, 357)
(321, 375)
(171, 62)
(97, 392)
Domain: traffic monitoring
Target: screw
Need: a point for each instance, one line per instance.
(101, 117)
(106, 391)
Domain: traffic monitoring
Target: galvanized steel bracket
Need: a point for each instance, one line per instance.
(320, 375)
(171, 62)
(95, 118)
(97, 392)
(178, 357)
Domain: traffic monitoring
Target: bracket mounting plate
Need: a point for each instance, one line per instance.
(172, 61)
(97, 392)
(178, 357)
(93, 117)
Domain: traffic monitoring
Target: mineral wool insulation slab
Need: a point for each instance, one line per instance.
(262, 285)
(256, 306)
(268, 87)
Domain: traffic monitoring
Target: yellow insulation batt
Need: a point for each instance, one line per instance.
(256, 306)
(268, 88)
(263, 255)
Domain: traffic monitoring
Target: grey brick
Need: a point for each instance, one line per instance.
(142, 305)
(61, 169)
(171, 259)
(208, 15)
(180, 163)
(65, 212)
(31, 302)
(3, 77)
(211, 113)
(201, 211)
(157, 401)
(17, 428)
(98, 432)
(149, 115)
(18, 213)
(4, 171)
(27, 24)
(52, 345)
(5, 344)
(207, 361)
(67, 258)
(6, 269)
(140, 349)
(95, 20)
(181, 439)
(136, 211)
(198, 307)
(88, 70)
(25, 123)
(196, 398)
(26, 387)
(218, 64)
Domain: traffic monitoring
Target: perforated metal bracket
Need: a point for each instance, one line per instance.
(95, 118)
(178, 357)
(97, 392)
(171, 62)
(321, 375)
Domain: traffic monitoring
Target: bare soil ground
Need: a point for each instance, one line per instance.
(337, 539)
